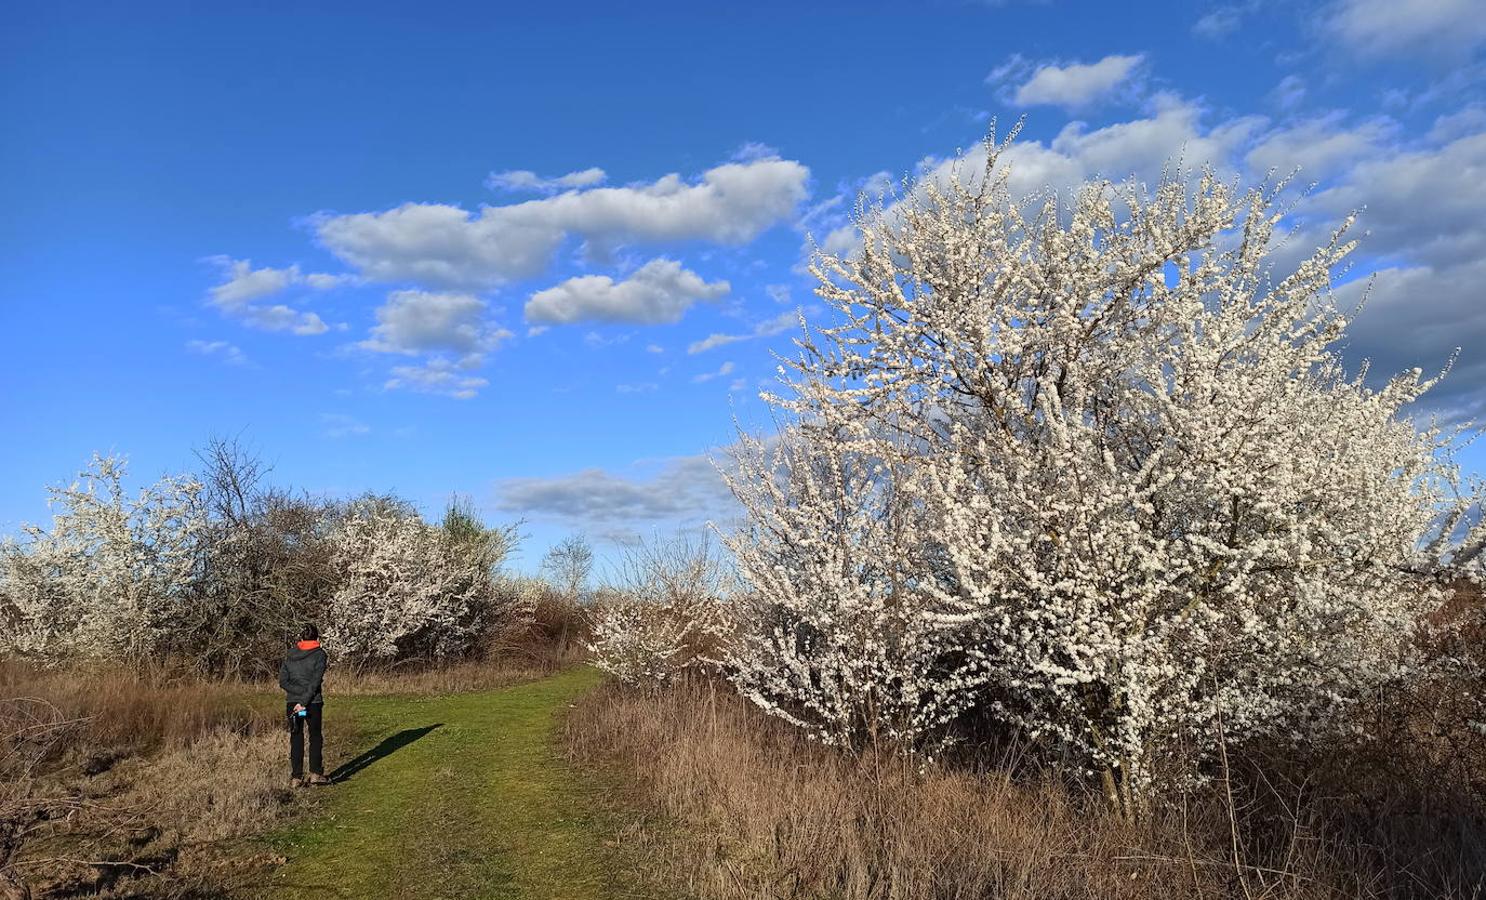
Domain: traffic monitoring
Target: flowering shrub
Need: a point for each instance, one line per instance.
(666, 618)
(110, 576)
(407, 588)
(1096, 470)
(222, 575)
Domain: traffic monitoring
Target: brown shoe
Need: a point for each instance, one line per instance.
(296, 782)
(317, 778)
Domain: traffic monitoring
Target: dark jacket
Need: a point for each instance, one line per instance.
(300, 675)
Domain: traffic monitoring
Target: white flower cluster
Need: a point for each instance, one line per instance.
(1095, 470)
(665, 619)
(112, 573)
(405, 587)
(641, 642)
(130, 579)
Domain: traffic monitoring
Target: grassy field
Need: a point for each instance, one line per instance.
(461, 795)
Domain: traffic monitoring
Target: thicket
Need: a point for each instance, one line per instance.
(216, 570)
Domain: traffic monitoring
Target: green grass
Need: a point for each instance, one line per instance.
(470, 800)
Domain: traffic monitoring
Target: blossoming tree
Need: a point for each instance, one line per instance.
(1098, 470)
(111, 575)
(406, 587)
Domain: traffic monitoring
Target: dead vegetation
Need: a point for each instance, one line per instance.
(729, 803)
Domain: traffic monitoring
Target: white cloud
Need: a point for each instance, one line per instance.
(228, 353)
(1224, 20)
(684, 489)
(449, 246)
(413, 322)
(279, 317)
(753, 150)
(654, 348)
(659, 292)
(767, 328)
(642, 387)
(437, 376)
(526, 180)
(1386, 27)
(1076, 85)
(1289, 92)
(1419, 316)
(242, 286)
(1317, 147)
(713, 341)
(339, 425)
(779, 293)
(1425, 205)
(724, 370)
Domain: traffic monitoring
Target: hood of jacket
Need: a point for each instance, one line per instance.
(295, 654)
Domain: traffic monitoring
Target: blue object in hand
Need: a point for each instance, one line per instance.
(302, 713)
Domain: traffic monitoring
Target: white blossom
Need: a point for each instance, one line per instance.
(407, 588)
(665, 618)
(1096, 470)
(110, 576)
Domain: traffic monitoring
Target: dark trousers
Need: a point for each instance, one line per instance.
(297, 725)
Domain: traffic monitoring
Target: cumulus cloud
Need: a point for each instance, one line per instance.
(527, 180)
(449, 246)
(437, 376)
(242, 286)
(413, 322)
(659, 292)
(681, 490)
(1422, 204)
(767, 328)
(226, 352)
(1389, 27)
(1073, 86)
(1420, 316)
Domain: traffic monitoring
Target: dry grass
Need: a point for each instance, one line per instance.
(747, 809)
(122, 711)
(122, 779)
(153, 825)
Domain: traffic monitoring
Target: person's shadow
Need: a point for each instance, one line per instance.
(388, 747)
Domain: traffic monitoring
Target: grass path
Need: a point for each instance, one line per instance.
(458, 796)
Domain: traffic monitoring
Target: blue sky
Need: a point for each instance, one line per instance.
(540, 256)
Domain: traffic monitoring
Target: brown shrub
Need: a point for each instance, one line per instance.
(555, 637)
(752, 810)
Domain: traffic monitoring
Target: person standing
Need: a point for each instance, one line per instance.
(300, 676)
